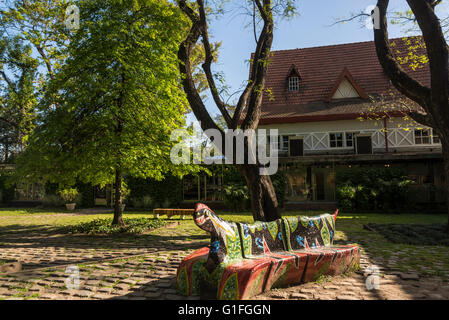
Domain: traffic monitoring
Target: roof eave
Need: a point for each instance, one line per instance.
(329, 117)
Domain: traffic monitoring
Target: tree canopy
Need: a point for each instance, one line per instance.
(108, 111)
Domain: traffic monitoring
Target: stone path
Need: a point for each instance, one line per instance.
(146, 277)
(144, 267)
(383, 284)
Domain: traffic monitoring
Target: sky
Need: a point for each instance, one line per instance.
(310, 29)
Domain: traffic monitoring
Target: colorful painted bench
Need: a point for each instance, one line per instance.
(244, 260)
(172, 212)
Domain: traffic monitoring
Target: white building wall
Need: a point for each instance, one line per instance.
(400, 133)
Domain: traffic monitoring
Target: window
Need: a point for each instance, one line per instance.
(283, 143)
(293, 84)
(426, 136)
(349, 139)
(422, 136)
(336, 140)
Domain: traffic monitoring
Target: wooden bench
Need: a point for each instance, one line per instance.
(172, 212)
(244, 260)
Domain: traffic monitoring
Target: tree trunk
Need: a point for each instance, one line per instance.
(264, 202)
(118, 219)
(445, 147)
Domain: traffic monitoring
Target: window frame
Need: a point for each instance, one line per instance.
(336, 140)
(352, 140)
(432, 138)
(293, 86)
(283, 142)
(344, 140)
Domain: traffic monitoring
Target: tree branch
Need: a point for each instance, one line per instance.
(401, 80)
(259, 66)
(184, 55)
(424, 119)
(9, 122)
(7, 80)
(207, 65)
(44, 57)
(360, 15)
(251, 97)
(436, 46)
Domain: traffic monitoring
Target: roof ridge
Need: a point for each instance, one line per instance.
(339, 45)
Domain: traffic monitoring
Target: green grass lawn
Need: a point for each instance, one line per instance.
(426, 260)
(53, 218)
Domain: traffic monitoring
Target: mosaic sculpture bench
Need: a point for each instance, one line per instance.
(244, 260)
(172, 212)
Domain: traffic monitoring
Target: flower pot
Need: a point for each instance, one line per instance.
(70, 206)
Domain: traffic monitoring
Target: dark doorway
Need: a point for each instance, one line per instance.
(296, 147)
(364, 145)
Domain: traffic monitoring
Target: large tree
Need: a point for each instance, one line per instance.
(110, 108)
(434, 100)
(17, 95)
(246, 113)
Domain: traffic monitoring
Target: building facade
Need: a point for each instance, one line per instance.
(335, 109)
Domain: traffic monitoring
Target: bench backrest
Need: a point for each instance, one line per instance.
(230, 240)
(261, 237)
(305, 232)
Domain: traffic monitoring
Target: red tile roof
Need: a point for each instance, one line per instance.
(320, 68)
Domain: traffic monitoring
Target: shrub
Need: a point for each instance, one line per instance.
(145, 202)
(7, 190)
(236, 197)
(372, 189)
(280, 184)
(158, 191)
(52, 201)
(86, 195)
(166, 203)
(136, 203)
(68, 195)
(103, 226)
(233, 177)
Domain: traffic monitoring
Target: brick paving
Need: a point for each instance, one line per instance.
(144, 267)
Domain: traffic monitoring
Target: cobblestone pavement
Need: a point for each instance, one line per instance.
(144, 267)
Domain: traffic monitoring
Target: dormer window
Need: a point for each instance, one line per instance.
(293, 83)
(293, 79)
